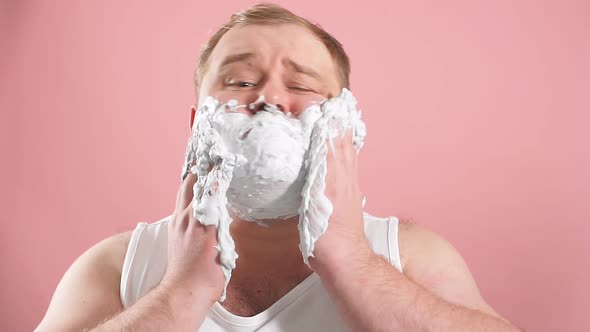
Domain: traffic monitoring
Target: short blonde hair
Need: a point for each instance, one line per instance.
(269, 14)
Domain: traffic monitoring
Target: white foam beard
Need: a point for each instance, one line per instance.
(268, 185)
(266, 166)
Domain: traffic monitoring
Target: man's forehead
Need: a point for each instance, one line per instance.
(294, 45)
(286, 61)
(257, 42)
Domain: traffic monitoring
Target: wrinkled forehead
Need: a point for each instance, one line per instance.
(271, 43)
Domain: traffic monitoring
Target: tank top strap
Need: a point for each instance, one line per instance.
(145, 260)
(382, 234)
(393, 242)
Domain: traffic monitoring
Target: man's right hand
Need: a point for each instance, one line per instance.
(89, 293)
(193, 260)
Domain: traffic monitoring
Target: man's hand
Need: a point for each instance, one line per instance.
(193, 262)
(368, 291)
(345, 235)
(88, 294)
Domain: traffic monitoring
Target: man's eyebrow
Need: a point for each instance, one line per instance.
(304, 69)
(236, 58)
(296, 67)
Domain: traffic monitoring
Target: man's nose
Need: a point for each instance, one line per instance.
(265, 106)
(271, 94)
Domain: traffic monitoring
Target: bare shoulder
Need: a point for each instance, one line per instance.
(433, 262)
(89, 290)
(109, 253)
(417, 242)
(406, 240)
(115, 248)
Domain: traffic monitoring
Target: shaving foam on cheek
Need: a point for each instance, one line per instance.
(209, 158)
(266, 166)
(337, 115)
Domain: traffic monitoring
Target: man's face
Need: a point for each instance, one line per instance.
(284, 63)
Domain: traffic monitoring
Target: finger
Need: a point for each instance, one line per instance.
(186, 194)
(347, 144)
(348, 136)
(345, 137)
(339, 145)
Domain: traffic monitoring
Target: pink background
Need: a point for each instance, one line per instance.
(477, 114)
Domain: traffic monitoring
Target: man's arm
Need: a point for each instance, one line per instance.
(167, 307)
(437, 292)
(88, 295)
(89, 290)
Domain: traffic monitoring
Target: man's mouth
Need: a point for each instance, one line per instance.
(245, 134)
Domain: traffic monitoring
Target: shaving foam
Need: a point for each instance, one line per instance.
(265, 167)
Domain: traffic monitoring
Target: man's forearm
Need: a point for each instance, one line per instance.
(162, 309)
(374, 296)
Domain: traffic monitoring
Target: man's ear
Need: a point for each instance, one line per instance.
(192, 119)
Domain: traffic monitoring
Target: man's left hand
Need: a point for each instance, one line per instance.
(345, 236)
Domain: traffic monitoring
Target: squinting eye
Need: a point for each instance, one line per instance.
(298, 88)
(242, 84)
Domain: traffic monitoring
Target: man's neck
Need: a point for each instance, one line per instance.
(270, 251)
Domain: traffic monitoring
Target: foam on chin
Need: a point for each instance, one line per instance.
(268, 185)
(266, 166)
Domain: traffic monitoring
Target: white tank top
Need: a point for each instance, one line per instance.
(306, 307)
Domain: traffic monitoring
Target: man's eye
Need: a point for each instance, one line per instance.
(242, 84)
(301, 89)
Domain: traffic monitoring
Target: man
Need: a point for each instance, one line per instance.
(366, 274)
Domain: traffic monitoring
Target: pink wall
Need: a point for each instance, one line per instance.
(477, 114)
